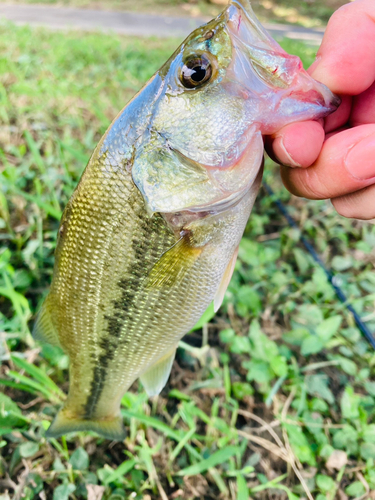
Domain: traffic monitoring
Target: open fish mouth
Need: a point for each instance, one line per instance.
(262, 65)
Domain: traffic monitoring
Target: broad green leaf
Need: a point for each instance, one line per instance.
(302, 259)
(367, 451)
(241, 389)
(240, 345)
(317, 385)
(369, 433)
(348, 366)
(300, 444)
(63, 491)
(259, 371)
(311, 345)
(296, 336)
(349, 403)
(325, 483)
(79, 459)
(342, 263)
(248, 301)
(58, 465)
(28, 449)
(355, 489)
(227, 335)
(328, 328)
(279, 365)
(5, 430)
(262, 348)
(10, 414)
(346, 439)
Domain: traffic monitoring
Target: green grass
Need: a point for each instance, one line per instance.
(284, 391)
(309, 13)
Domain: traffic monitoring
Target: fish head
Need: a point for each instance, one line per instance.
(226, 86)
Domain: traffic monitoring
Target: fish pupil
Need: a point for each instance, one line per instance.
(199, 74)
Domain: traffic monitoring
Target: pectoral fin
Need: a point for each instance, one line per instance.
(174, 264)
(44, 330)
(225, 280)
(156, 377)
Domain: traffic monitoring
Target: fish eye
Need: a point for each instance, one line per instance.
(196, 71)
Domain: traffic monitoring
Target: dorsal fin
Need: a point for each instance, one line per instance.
(219, 297)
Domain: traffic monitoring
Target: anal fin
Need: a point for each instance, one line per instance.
(156, 377)
(225, 280)
(44, 330)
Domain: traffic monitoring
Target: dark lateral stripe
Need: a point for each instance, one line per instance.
(150, 235)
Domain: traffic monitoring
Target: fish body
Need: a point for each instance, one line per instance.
(150, 235)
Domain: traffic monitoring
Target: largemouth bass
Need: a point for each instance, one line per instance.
(150, 236)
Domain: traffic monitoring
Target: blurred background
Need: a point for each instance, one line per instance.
(272, 398)
(309, 13)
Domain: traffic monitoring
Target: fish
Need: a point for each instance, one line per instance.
(150, 235)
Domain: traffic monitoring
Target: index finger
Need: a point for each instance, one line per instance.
(346, 59)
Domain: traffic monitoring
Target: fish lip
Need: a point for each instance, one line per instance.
(335, 102)
(328, 103)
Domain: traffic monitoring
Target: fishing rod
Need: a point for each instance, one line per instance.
(331, 277)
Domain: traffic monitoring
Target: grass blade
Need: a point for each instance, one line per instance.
(156, 424)
(242, 489)
(182, 443)
(121, 470)
(16, 385)
(38, 375)
(216, 458)
(34, 385)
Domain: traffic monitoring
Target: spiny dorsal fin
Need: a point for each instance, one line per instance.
(219, 297)
(172, 266)
(156, 377)
(44, 330)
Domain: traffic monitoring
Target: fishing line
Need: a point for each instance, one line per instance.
(331, 277)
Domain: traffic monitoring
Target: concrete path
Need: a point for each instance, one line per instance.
(129, 23)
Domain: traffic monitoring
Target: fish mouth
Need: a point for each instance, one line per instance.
(270, 73)
(315, 93)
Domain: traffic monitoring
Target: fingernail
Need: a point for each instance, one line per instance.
(287, 159)
(360, 161)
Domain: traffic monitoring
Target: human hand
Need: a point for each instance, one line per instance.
(336, 159)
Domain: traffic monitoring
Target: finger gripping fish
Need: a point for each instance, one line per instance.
(150, 235)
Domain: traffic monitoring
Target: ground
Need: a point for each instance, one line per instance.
(309, 13)
(282, 400)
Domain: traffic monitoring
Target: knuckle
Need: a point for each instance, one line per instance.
(352, 207)
(343, 208)
(314, 185)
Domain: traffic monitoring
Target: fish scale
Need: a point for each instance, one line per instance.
(150, 236)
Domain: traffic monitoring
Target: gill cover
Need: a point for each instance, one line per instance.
(225, 86)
